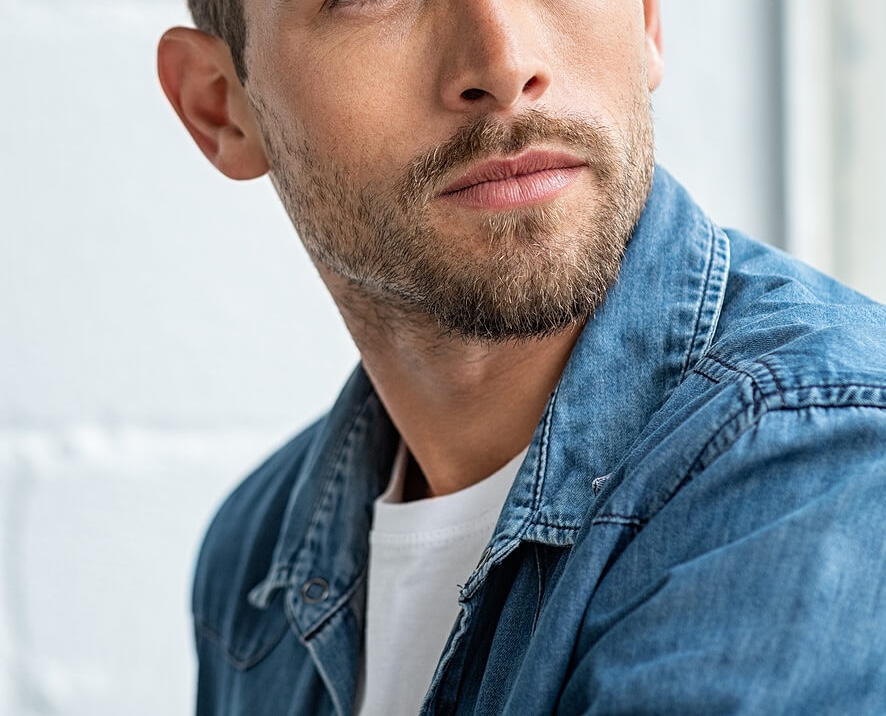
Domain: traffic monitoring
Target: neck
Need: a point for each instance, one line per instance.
(464, 409)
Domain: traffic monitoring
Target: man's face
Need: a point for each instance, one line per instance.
(478, 161)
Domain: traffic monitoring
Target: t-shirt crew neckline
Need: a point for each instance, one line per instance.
(430, 515)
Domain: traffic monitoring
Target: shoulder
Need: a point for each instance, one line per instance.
(769, 460)
(748, 563)
(776, 306)
(795, 374)
(238, 547)
(792, 339)
(792, 347)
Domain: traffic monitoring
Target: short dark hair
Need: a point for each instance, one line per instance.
(224, 19)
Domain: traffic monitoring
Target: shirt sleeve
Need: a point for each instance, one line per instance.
(758, 588)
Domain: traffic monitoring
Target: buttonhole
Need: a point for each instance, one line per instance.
(598, 483)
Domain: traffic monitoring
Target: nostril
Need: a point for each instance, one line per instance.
(473, 94)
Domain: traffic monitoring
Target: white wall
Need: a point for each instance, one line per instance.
(835, 147)
(718, 111)
(161, 330)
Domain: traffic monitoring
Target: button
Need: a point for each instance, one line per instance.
(315, 590)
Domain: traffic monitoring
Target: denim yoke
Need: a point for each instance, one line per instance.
(697, 527)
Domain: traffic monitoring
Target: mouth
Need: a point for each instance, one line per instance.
(531, 178)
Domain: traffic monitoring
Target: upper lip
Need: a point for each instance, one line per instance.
(507, 168)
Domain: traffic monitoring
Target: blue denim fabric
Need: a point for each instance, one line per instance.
(699, 526)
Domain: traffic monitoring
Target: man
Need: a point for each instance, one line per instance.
(600, 455)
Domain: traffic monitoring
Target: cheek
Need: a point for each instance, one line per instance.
(600, 49)
(355, 107)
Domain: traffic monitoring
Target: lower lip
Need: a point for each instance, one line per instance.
(516, 192)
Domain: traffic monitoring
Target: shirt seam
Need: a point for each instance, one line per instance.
(702, 461)
(753, 410)
(699, 308)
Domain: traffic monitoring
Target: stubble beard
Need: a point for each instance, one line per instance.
(523, 274)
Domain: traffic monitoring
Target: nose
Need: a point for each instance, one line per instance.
(492, 56)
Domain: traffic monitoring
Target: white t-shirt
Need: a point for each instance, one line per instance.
(419, 554)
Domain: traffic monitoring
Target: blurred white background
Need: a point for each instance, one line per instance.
(161, 329)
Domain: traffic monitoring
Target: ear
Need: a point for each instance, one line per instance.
(654, 44)
(197, 74)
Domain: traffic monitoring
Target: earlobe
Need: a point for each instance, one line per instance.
(654, 43)
(198, 77)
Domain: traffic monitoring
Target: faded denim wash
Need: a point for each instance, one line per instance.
(699, 526)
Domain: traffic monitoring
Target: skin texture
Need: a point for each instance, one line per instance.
(464, 305)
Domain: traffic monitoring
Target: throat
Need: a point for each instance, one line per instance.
(415, 485)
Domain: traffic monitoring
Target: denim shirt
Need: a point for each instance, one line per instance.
(699, 525)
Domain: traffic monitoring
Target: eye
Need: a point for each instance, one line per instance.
(361, 5)
(332, 4)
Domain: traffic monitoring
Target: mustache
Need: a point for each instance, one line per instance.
(485, 137)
